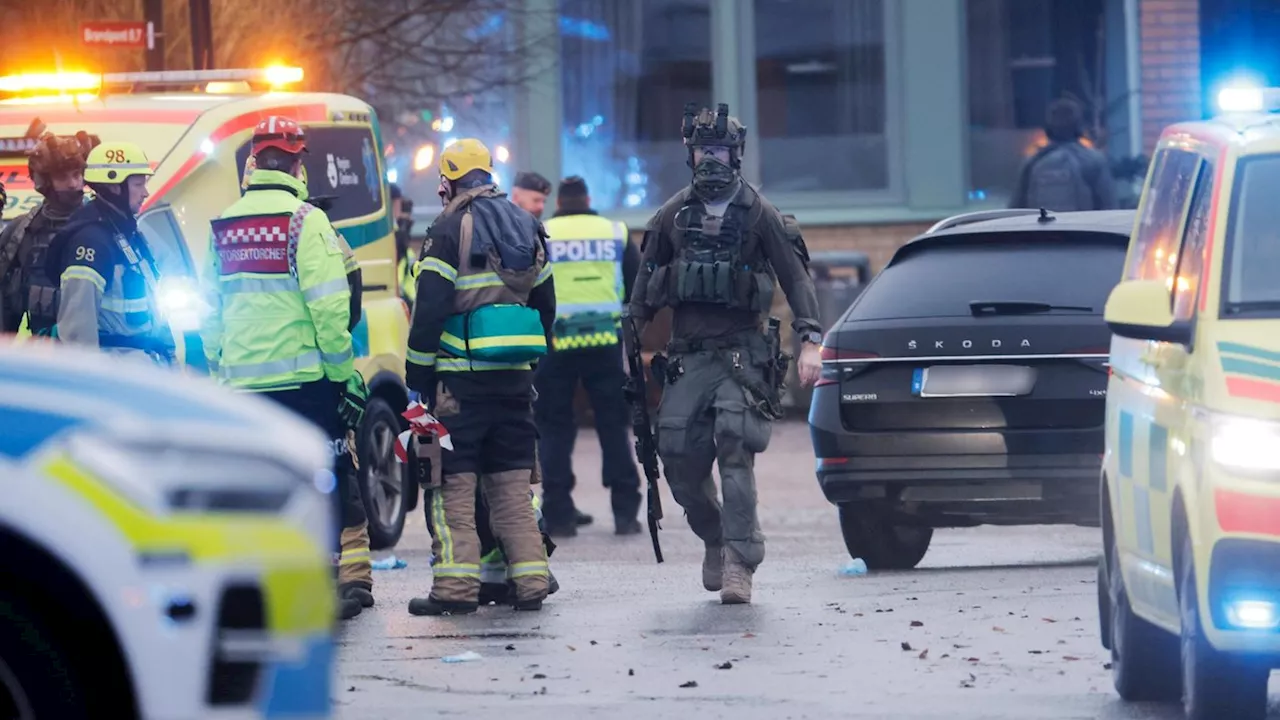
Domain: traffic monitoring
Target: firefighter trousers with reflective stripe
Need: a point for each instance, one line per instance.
(456, 544)
(318, 403)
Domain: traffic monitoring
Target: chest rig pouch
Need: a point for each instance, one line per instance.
(716, 260)
(23, 273)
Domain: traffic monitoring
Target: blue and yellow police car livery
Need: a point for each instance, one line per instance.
(1189, 585)
(164, 546)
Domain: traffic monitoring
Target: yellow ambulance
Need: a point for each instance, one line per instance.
(1189, 585)
(195, 128)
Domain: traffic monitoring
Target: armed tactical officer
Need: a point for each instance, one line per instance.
(56, 167)
(106, 272)
(485, 310)
(712, 253)
(276, 277)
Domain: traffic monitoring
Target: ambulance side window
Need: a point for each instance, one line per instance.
(1186, 284)
(164, 236)
(343, 170)
(1156, 243)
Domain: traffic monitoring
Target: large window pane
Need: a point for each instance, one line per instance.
(1022, 55)
(820, 76)
(627, 70)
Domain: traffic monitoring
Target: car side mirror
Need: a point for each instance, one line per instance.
(1143, 310)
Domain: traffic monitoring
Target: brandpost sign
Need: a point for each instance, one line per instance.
(118, 34)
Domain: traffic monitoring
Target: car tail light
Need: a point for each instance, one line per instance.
(833, 358)
(830, 354)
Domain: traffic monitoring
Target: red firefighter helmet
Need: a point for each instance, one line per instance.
(280, 132)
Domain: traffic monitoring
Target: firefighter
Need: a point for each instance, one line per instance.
(276, 277)
(56, 168)
(488, 303)
(714, 253)
(594, 265)
(107, 274)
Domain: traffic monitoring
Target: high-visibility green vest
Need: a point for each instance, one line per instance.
(276, 278)
(586, 253)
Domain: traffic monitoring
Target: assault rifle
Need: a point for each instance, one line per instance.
(636, 391)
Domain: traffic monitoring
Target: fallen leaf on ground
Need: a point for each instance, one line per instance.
(997, 628)
(748, 635)
(924, 653)
(572, 648)
(1070, 658)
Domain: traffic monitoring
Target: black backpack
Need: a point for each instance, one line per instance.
(1056, 180)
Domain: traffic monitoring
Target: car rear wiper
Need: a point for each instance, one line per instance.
(1014, 307)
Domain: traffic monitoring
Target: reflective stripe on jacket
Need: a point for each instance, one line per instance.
(276, 278)
(586, 253)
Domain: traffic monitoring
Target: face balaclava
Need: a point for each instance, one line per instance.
(712, 179)
(61, 203)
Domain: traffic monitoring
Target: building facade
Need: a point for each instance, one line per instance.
(868, 119)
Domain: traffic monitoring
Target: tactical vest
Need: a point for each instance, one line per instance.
(586, 254)
(492, 327)
(716, 261)
(24, 279)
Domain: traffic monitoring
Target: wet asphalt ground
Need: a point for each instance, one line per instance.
(996, 623)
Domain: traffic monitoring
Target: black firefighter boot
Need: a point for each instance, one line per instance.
(431, 606)
(348, 607)
(357, 591)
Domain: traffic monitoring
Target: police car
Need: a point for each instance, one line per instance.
(195, 127)
(164, 546)
(1189, 585)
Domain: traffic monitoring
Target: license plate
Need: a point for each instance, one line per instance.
(973, 381)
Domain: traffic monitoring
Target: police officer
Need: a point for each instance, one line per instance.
(713, 253)
(530, 192)
(487, 302)
(594, 264)
(56, 167)
(107, 275)
(281, 320)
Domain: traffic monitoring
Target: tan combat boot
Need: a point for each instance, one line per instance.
(713, 567)
(736, 588)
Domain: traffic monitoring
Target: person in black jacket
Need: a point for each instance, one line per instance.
(1065, 175)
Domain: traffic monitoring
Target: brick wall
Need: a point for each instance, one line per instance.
(1169, 41)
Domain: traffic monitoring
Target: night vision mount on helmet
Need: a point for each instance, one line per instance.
(701, 128)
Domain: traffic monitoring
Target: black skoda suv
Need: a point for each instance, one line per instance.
(967, 384)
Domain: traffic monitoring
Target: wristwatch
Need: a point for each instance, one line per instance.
(812, 337)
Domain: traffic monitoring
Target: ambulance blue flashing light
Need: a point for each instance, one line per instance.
(1242, 99)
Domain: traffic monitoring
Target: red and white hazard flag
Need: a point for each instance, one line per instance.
(421, 423)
